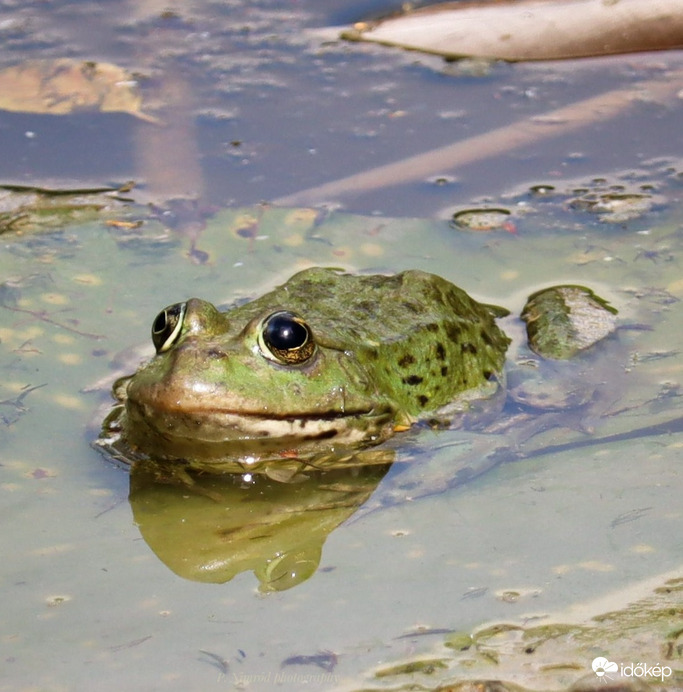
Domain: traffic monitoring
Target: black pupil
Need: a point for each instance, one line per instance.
(160, 322)
(283, 332)
(164, 324)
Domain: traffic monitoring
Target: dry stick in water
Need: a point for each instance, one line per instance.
(531, 29)
(504, 139)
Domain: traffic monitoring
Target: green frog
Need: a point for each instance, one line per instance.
(327, 363)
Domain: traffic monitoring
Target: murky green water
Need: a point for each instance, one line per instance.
(84, 590)
(585, 530)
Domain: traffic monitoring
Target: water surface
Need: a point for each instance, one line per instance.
(273, 112)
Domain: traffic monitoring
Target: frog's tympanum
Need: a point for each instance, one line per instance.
(325, 364)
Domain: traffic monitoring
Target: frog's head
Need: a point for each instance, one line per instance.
(248, 384)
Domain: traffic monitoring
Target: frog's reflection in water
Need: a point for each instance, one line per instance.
(210, 528)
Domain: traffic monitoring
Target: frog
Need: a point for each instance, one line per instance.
(326, 365)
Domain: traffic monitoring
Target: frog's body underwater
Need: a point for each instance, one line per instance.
(327, 362)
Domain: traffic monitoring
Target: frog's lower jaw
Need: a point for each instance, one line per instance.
(219, 435)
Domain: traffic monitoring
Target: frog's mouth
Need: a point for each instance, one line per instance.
(203, 434)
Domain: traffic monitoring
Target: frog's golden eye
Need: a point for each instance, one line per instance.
(167, 325)
(286, 339)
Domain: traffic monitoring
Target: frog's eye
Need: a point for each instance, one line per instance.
(286, 338)
(167, 325)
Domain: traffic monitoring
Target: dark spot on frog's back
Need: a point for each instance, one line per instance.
(320, 289)
(467, 347)
(422, 399)
(440, 351)
(432, 327)
(383, 282)
(412, 379)
(486, 337)
(406, 360)
(415, 308)
(366, 307)
(452, 331)
(433, 294)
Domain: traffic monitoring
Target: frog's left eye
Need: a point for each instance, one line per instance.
(285, 338)
(167, 325)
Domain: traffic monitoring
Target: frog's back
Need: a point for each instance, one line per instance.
(424, 338)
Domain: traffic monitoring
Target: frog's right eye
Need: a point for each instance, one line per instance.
(167, 325)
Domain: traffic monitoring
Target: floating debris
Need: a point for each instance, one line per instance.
(28, 209)
(63, 86)
(614, 207)
(427, 666)
(327, 660)
(563, 320)
(542, 190)
(483, 220)
(529, 30)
